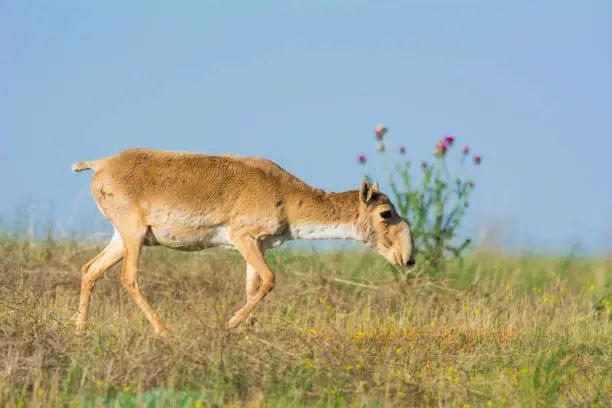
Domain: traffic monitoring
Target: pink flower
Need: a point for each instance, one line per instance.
(465, 149)
(449, 140)
(424, 164)
(380, 147)
(477, 159)
(440, 149)
(402, 149)
(361, 158)
(380, 131)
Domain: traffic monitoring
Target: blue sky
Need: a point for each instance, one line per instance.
(526, 84)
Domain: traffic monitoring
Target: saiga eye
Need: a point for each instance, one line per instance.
(386, 214)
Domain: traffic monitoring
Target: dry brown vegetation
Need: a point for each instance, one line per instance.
(339, 329)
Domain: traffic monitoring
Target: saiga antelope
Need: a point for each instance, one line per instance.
(190, 202)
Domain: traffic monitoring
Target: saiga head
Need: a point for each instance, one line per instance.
(382, 228)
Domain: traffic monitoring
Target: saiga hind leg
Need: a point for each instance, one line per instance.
(133, 233)
(111, 255)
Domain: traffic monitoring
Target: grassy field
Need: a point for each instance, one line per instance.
(340, 329)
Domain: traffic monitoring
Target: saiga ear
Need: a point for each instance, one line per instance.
(375, 187)
(367, 191)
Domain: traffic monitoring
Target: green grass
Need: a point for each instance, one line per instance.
(339, 329)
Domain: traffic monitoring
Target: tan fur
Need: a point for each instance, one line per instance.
(191, 201)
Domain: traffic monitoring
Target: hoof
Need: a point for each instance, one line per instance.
(233, 323)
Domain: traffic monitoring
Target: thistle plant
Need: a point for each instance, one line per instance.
(436, 205)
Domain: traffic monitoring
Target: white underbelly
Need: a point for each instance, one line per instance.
(190, 239)
(185, 231)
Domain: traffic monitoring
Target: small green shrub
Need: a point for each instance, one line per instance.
(434, 207)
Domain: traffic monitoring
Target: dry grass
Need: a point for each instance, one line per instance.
(339, 329)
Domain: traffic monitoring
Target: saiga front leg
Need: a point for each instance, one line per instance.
(251, 250)
(252, 284)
